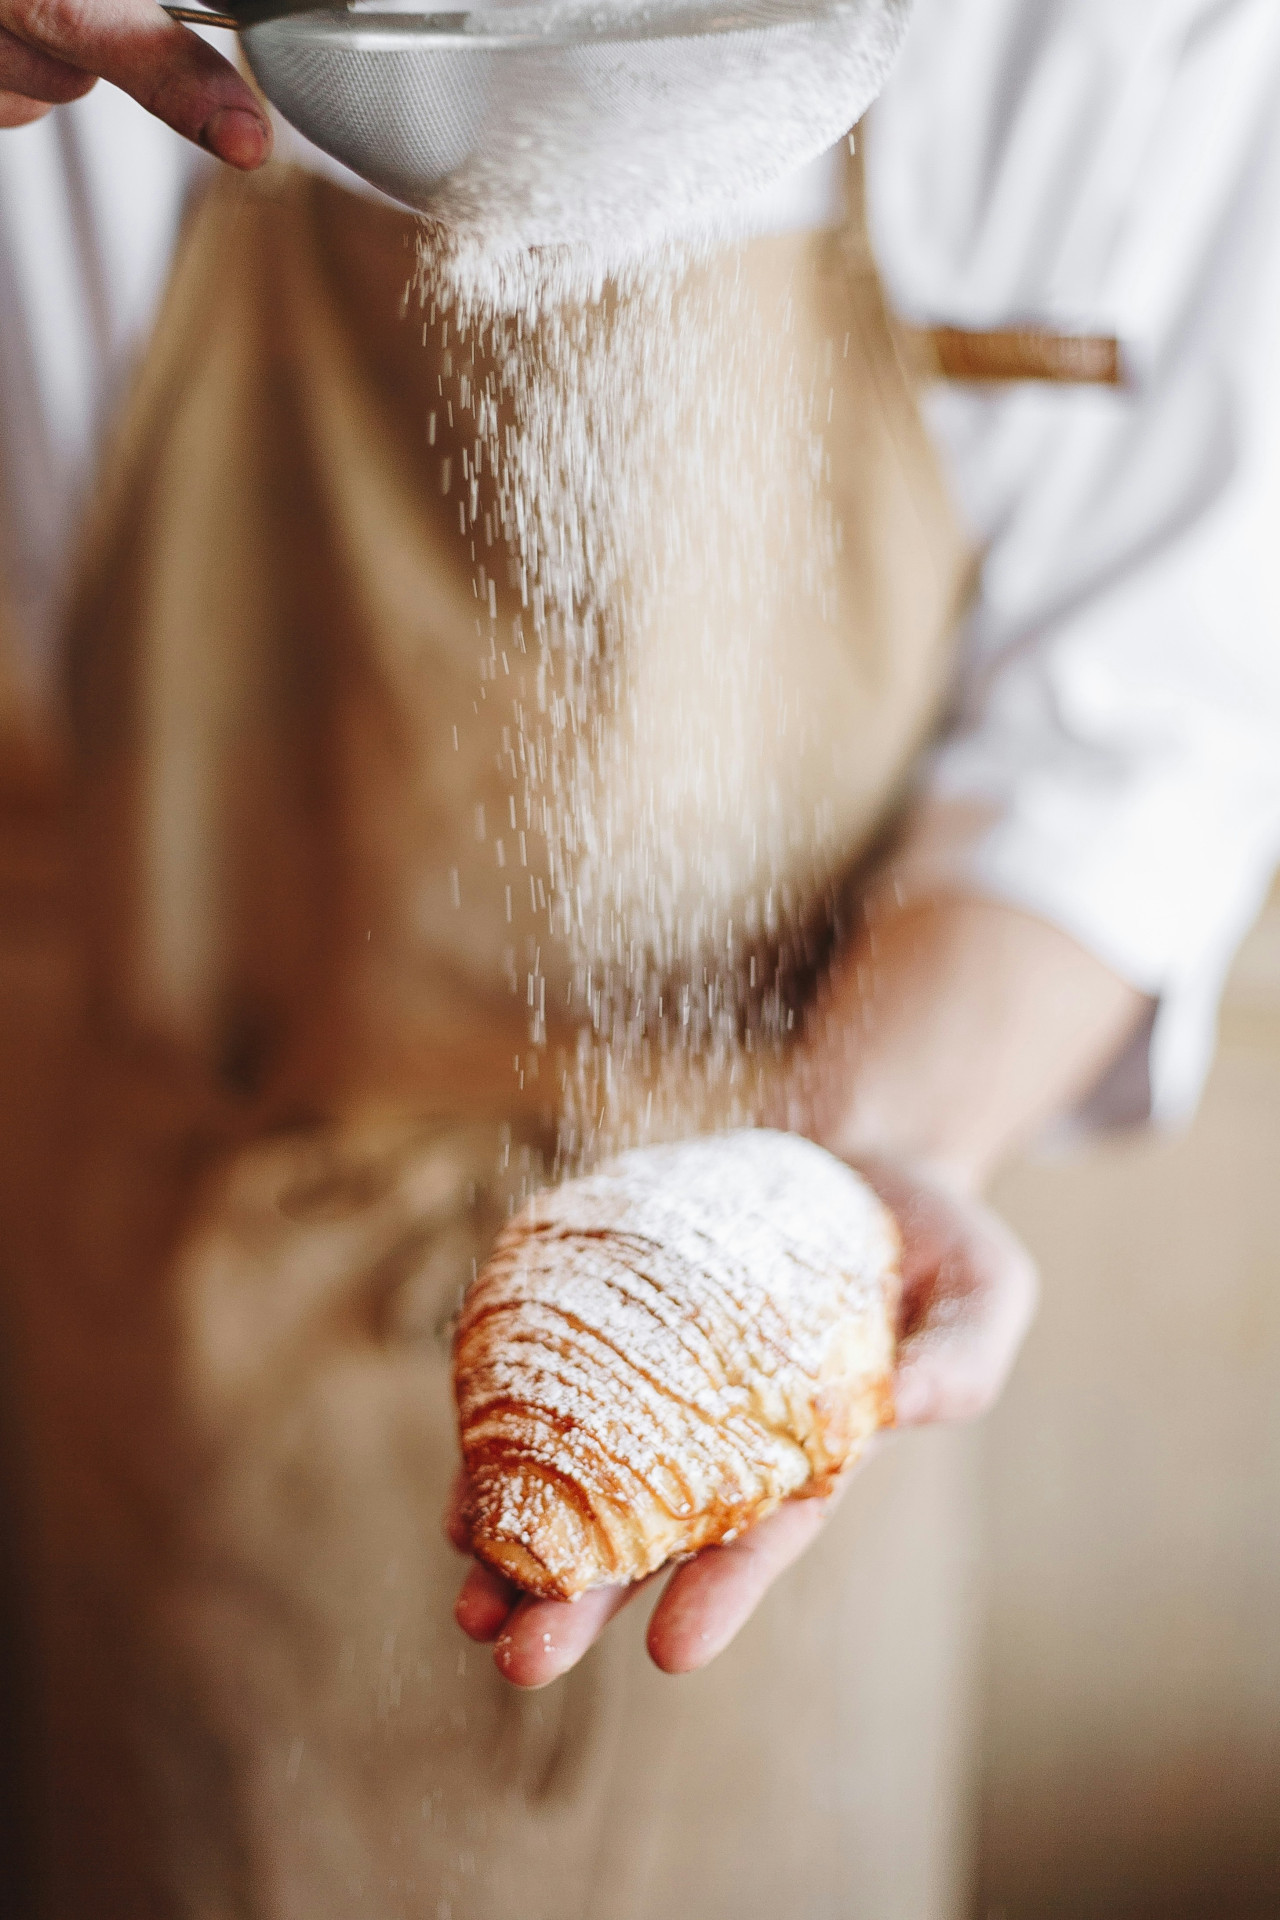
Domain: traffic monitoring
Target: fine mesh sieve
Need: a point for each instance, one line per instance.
(607, 123)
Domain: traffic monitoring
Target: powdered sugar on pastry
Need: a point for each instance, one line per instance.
(657, 1354)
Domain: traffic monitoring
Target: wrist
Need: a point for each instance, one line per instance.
(824, 1097)
(949, 1033)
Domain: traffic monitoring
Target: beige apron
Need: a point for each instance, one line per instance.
(273, 1085)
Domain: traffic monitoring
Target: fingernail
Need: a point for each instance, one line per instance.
(238, 137)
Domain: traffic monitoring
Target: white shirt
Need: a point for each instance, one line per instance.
(1104, 164)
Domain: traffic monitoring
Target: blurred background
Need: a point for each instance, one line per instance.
(1132, 1687)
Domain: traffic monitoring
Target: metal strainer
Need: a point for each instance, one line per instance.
(609, 122)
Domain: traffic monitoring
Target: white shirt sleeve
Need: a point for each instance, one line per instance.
(1116, 721)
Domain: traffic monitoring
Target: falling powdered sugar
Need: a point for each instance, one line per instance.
(589, 139)
(659, 1351)
(643, 474)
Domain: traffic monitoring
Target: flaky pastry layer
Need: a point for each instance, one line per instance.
(655, 1356)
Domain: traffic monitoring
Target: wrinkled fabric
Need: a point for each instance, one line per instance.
(271, 1093)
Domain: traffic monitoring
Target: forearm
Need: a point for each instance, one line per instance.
(950, 1031)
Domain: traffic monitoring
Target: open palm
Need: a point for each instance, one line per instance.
(969, 1291)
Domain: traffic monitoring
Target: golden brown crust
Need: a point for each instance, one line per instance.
(655, 1356)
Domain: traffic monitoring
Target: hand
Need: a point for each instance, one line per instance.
(52, 51)
(968, 1295)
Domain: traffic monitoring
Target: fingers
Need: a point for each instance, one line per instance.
(969, 1295)
(238, 135)
(31, 78)
(485, 1604)
(536, 1640)
(544, 1638)
(133, 44)
(705, 1605)
(485, 1601)
(455, 1519)
(708, 1601)
(956, 1358)
(17, 112)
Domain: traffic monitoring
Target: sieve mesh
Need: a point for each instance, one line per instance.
(534, 126)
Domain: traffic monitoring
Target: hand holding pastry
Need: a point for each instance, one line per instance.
(660, 1359)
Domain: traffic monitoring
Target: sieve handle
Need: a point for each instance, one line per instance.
(203, 17)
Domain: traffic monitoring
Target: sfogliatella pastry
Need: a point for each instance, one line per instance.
(655, 1356)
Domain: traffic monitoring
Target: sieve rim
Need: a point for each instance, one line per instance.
(526, 29)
